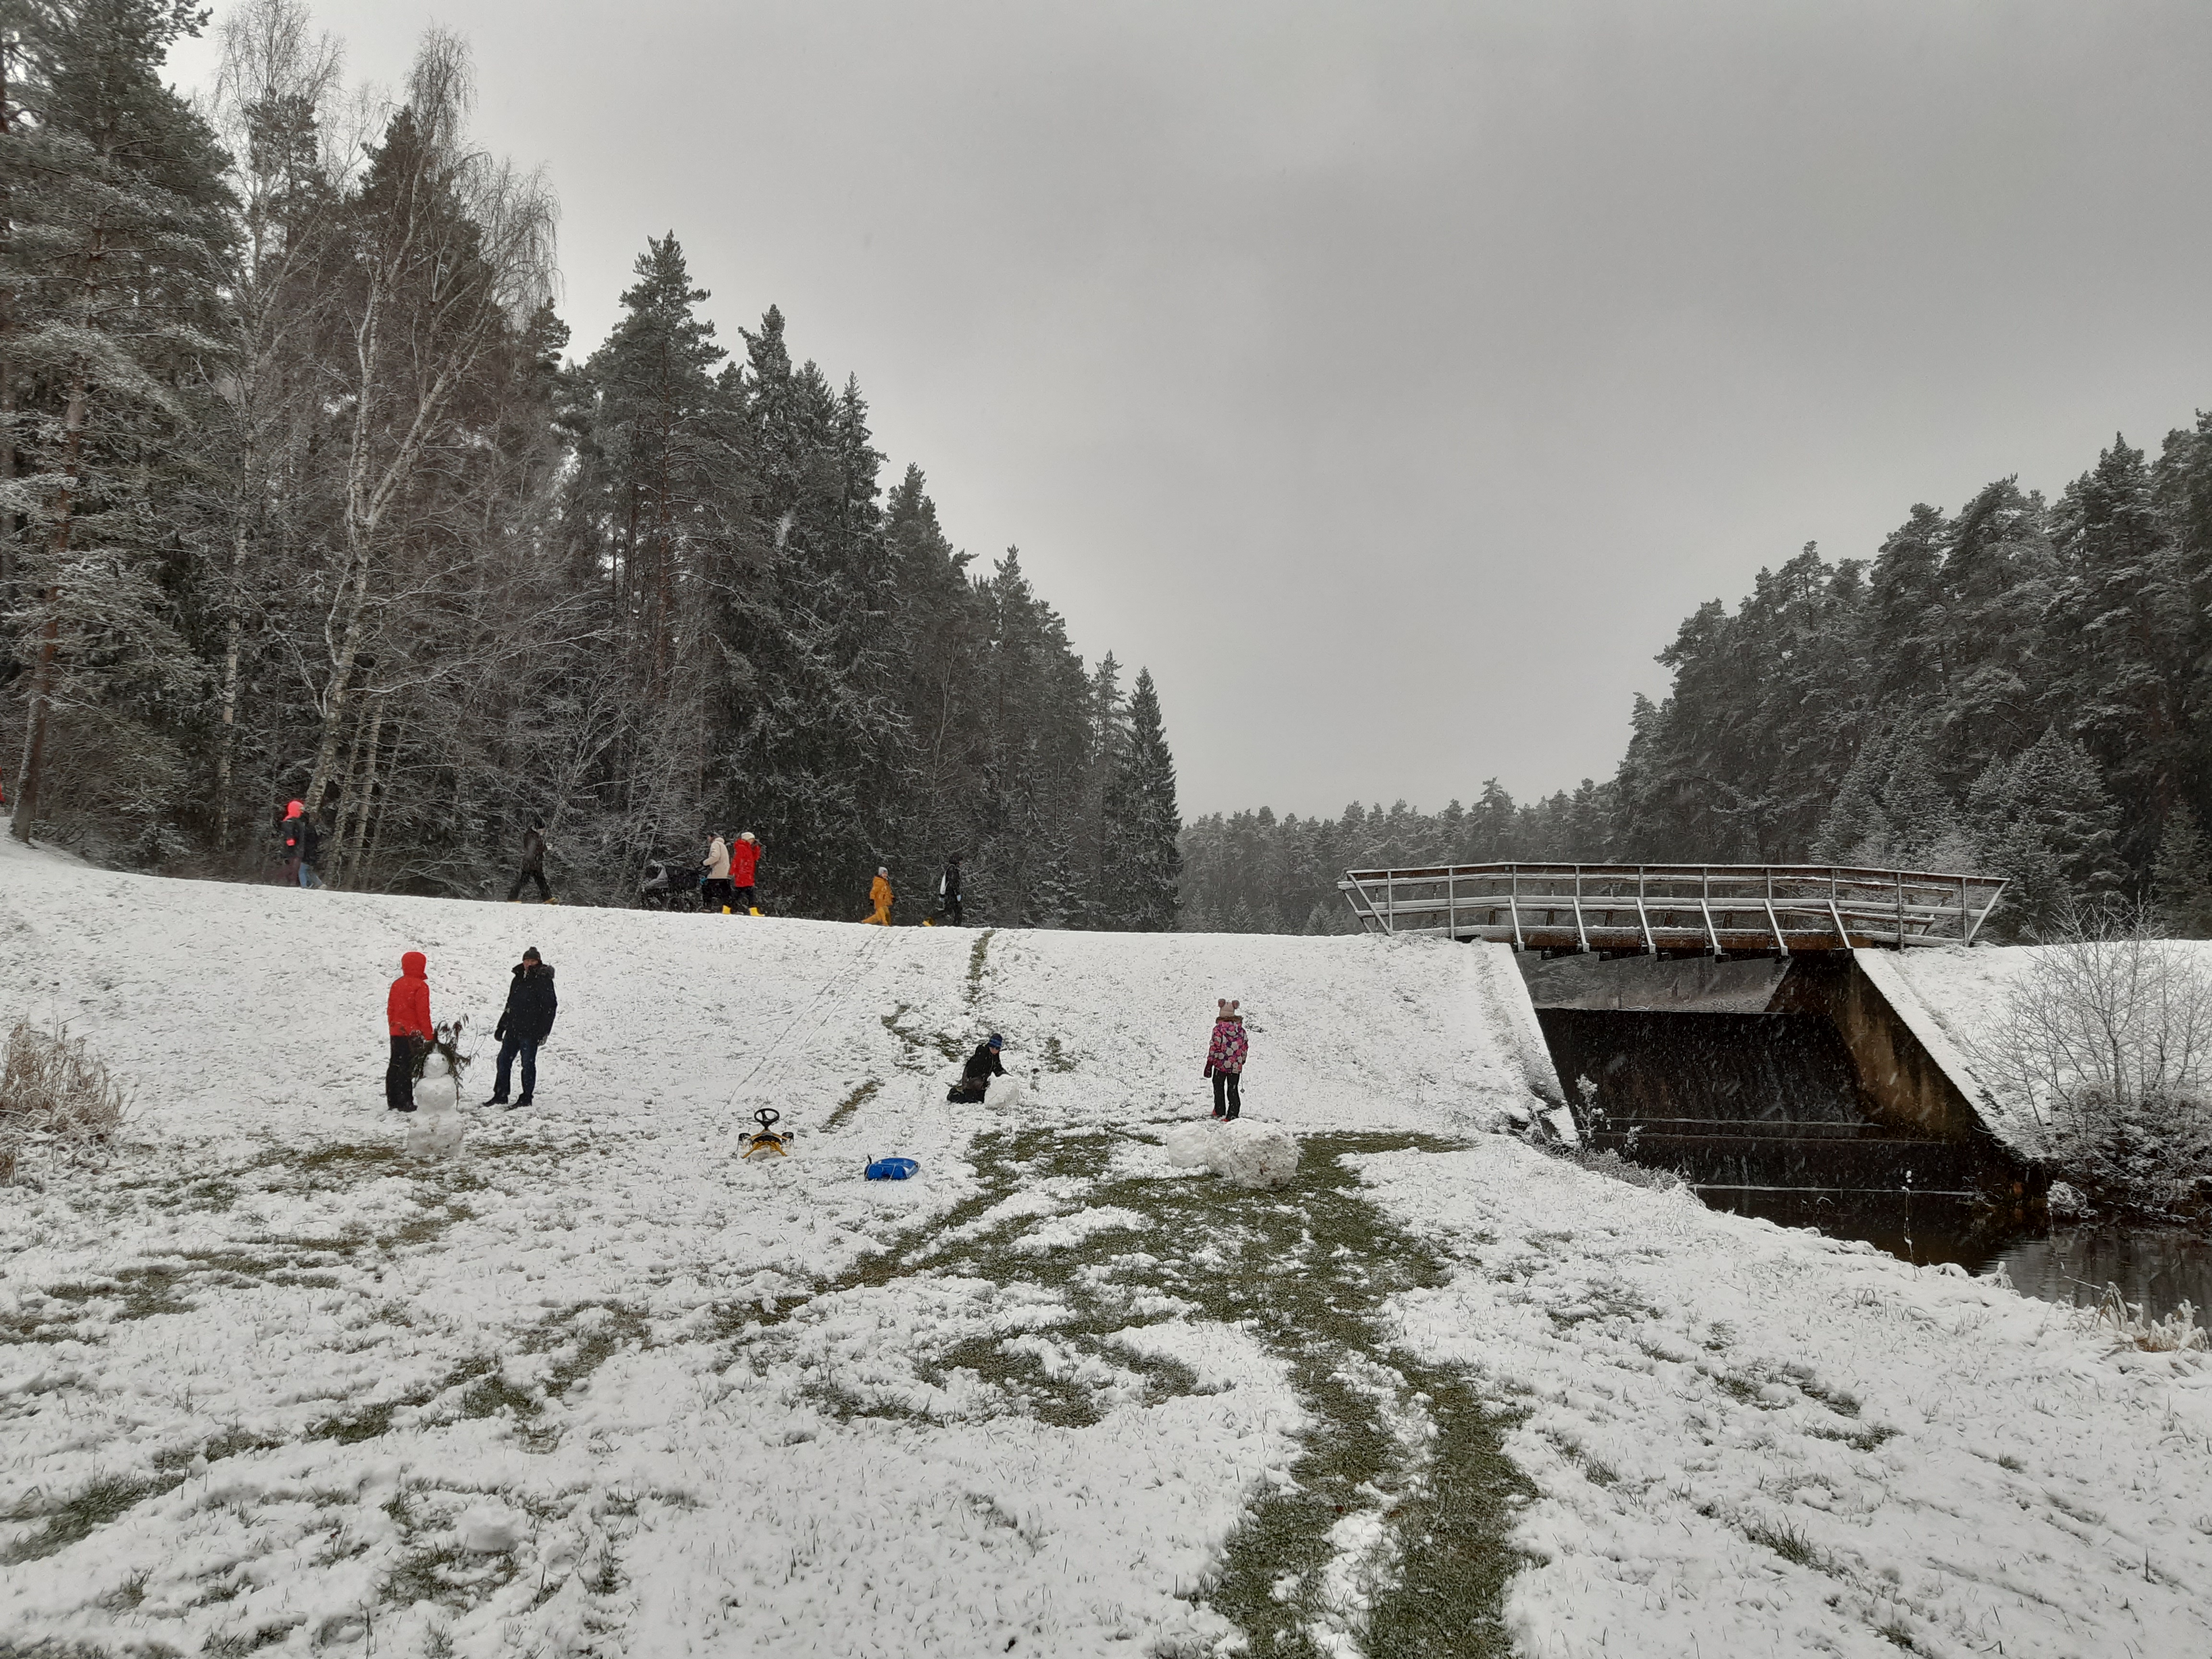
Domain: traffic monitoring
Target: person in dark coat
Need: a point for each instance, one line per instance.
(975, 1077)
(527, 1022)
(533, 869)
(948, 890)
(294, 835)
(407, 1018)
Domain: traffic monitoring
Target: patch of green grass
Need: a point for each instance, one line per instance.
(127, 1595)
(79, 1517)
(1863, 1440)
(40, 1327)
(976, 958)
(1786, 1541)
(382, 1157)
(1452, 1579)
(143, 1292)
(493, 1394)
(443, 1573)
(861, 1095)
(232, 1647)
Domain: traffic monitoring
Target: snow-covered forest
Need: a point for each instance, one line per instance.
(303, 495)
(2024, 687)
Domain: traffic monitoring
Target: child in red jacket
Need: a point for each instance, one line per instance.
(407, 1015)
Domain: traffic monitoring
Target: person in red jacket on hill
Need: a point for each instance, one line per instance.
(745, 860)
(407, 1013)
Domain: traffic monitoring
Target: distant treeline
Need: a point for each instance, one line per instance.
(298, 498)
(2024, 688)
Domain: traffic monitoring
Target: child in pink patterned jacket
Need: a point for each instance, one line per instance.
(1225, 1058)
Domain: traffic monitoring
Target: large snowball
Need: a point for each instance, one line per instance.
(1187, 1145)
(1250, 1154)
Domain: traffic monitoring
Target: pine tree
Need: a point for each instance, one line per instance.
(111, 268)
(2050, 827)
(1856, 830)
(1143, 860)
(2124, 626)
(2181, 877)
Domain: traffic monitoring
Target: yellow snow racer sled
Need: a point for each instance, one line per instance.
(767, 1143)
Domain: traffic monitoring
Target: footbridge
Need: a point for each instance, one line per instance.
(1741, 1023)
(1659, 910)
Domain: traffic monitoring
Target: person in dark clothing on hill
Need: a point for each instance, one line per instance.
(975, 1077)
(311, 849)
(533, 867)
(296, 846)
(948, 890)
(407, 1017)
(527, 1022)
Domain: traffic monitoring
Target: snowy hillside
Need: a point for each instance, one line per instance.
(601, 1387)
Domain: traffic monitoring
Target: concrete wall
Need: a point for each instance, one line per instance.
(1905, 1086)
(1903, 1082)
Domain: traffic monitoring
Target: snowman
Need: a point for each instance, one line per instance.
(435, 1129)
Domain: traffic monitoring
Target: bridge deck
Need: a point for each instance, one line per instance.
(1726, 909)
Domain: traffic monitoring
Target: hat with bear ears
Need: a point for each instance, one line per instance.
(1229, 1006)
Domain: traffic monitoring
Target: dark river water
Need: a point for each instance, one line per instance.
(2158, 1267)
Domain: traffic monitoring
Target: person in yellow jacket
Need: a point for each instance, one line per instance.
(879, 895)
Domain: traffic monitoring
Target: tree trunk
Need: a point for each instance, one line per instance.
(233, 632)
(345, 785)
(352, 855)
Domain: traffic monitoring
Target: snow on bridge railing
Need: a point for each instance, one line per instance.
(1726, 909)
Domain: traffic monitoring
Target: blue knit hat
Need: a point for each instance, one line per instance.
(997, 1041)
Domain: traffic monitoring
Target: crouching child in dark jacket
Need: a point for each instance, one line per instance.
(527, 1022)
(975, 1077)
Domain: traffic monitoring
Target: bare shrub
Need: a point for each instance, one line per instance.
(2178, 1333)
(55, 1099)
(2105, 1048)
(1612, 1163)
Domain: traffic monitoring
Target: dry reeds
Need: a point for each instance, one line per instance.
(56, 1099)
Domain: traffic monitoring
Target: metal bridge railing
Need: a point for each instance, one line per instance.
(1723, 908)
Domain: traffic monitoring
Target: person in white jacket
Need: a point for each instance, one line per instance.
(717, 884)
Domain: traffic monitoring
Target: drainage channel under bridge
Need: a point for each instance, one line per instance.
(1756, 1106)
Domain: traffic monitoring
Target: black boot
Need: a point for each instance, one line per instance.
(497, 1100)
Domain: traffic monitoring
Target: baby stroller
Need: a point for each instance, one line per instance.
(670, 886)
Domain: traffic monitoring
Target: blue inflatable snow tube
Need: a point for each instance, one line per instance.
(892, 1169)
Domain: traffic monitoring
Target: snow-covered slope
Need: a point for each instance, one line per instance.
(601, 1386)
(260, 1010)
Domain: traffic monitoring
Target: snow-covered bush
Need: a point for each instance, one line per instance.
(56, 1099)
(2106, 1047)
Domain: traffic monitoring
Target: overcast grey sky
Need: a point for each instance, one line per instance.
(1392, 379)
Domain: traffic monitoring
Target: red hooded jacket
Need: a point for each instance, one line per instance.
(744, 857)
(407, 1010)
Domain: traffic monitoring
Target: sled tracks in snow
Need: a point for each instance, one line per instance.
(1390, 1537)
